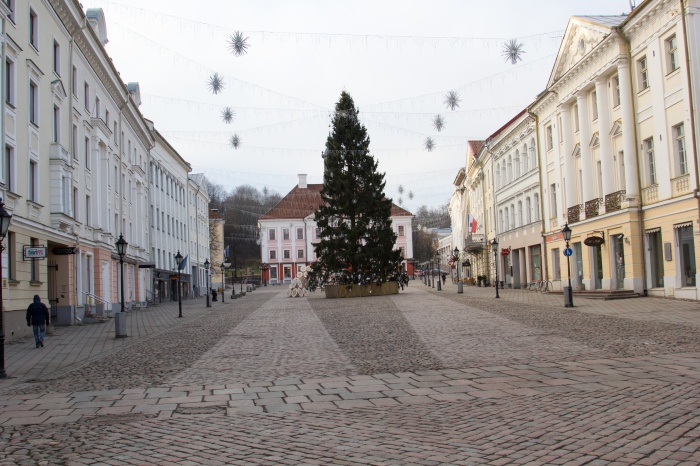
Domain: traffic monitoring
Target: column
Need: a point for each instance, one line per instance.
(628, 145)
(569, 166)
(606, 155)
(588, 188)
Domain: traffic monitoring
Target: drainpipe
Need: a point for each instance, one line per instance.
(495, 223)
(539, 172)
(696, 191)
(640, 212)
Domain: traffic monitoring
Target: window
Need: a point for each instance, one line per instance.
(74, 81)
(8, 168)
(655, 249)
(86, 96)
(33, 29)
(107, 118)
(576, 120)
(11, 256)
(273, 254)
(87, 153)
(98, 109)
(528, 210)
(401, 230)
(651, 162)
(10, 82)
(549, 138)
(33, 103)
(75, 204)
(507, 217)
(33, 191)
(520, 213)
(287, 254)
(686, 254)
(536, 201)
(553, 194)
(526, 167)
(75, 142)
(11, 5)
(516, 164)
(616, 91)
(56, 124)
(300, 233)
(285, 233)
(300, 253)
(88, 219)
(556, 267)
(642, 73)
(594, 105)
(318, 233)
(679, 148)
(271, 234)
(672, 54)
(512, 216)
(56, 58)
(116, 143)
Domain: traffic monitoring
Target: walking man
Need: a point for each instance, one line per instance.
(38, 317)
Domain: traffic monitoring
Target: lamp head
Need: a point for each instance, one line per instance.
(566, 231)
(5, 218)
(178, 260)
(121, 245)
(494, 243)
(206, 264)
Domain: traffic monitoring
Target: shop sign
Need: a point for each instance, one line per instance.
(505, 251)
(594, 241)
(63, 251)
(34, 252)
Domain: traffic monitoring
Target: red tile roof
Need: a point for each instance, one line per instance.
(213, 214)
(302, 202)
(476, 147)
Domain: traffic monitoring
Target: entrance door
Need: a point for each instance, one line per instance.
(52, 269)
(597, 266)
(578, 265)
(507, 272)
(619, 261)
(536, 263)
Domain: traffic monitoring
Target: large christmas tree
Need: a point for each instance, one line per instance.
(357, 241)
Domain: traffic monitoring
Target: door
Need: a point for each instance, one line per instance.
(619, 261)
(536, 263)
(52, 269)
(597, 266)
(578, 265)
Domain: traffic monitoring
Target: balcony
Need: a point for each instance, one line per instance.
(680, 185)
(593, 207)
(58, 152)
(613, 201)
(474, 243)
(573, 214)
(650, 194)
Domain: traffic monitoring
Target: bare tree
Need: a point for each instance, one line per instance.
(215, 240)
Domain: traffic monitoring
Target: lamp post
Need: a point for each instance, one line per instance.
(206, 267)
(459, 282)
(178, 261)
(120, 318)
(5, 218)
(223, 282)
(494, 246)
(568, 291)
(438, 259)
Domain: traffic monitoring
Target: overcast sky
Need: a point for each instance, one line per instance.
(397, 59)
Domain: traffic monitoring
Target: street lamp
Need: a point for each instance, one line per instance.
(120, 318)
(459, 264)
(223, 282)
(568, 291)
(438, 259)
(178, 261)
(494, 247)
(5, 218)
(206, 267)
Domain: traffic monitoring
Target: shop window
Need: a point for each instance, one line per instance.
(686, 254)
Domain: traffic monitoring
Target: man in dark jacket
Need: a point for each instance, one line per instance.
(38, 316)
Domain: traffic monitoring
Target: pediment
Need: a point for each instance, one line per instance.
(577, 150)
(58, 90)
(582, 35)
(595, 140)
(616, 128)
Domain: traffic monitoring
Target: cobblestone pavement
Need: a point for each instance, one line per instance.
(422, 377)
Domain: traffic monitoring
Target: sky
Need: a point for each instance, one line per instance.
(397, 58)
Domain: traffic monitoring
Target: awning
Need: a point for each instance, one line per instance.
(683, 225)
(653, 230)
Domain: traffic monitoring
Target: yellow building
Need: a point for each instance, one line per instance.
(617, 153)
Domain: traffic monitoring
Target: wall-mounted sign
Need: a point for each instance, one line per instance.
(593, 241)
(147, 265)
(34, 252)
(63, 251)
(505, 251)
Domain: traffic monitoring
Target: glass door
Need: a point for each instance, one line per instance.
(578, 266)
(619, 256)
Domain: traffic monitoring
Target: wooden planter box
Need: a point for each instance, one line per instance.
(359, 291)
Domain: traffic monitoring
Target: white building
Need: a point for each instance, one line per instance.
(198, 223)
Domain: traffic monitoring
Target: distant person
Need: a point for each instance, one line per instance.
(444, 277)
(38, 317)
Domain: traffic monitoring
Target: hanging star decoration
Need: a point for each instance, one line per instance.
(400, 201)
(429, 144)
(237, 44)
(410, 195)
(235, 141)
(513, 51)
(438, 123)
(400, 189)
(227, 115)
(452, 100)
(216, 83)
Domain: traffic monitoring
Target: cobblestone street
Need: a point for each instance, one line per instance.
(422, 377)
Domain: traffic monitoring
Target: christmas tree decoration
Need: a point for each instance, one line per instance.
(227, 115)
(452, 100)
(438, 123)
(234, 141)
(237, 44)
(429, 144)
(216, 83)
(513, 51)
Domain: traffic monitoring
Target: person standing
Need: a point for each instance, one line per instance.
(38, 317)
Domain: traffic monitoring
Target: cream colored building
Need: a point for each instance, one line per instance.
(618, 151)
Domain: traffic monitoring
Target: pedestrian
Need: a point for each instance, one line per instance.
(444, 277)
(38, 317)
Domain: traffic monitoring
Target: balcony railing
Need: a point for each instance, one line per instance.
(474, 242)
(613, 201)
(593, 207)
(680, 185)
(573, 214)
(650, 194)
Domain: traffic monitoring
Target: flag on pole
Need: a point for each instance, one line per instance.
(184, 262)
(226, 253)
(471, 224)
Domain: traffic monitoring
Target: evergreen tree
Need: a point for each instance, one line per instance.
(357, 244)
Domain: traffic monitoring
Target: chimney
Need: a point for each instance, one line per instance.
(302, 180)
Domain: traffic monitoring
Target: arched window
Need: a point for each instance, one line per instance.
(533, 156)
(512, 216)
(504, 181)
(528, 209)
(498, 176)
(510, 168)
(500, 219)
(526, 166)
(520, 213)
(537, 207)
(517, 164)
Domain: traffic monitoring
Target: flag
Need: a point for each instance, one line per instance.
(471, 224)
(184, 262)
(226, 253)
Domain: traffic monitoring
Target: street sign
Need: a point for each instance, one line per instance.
(63, 251)
(34, 252)
(147, 265)
(568, 252)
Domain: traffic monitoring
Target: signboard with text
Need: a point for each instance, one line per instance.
(34, 252)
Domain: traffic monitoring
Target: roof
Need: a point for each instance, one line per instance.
(476, 146)
(214, 215)
(302, 202)
(608, 20)
(499, 130)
